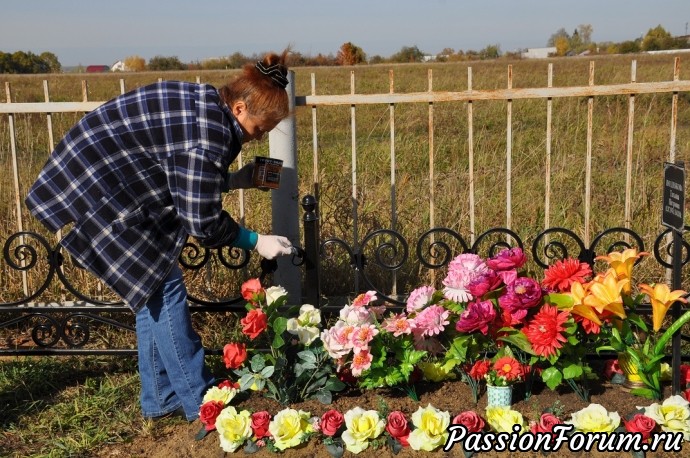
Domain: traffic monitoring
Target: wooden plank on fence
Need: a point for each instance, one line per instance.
(547, 167)
(509, 152)
(432, 219)
(629, 152)
(497, 94)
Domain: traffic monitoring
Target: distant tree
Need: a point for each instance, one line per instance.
(350, 54)
(408, 54)
(490, 52)
(237, 60)
(376, 59)
(628, 47)
(161, 63)
(656, 39)
(585, 31)
(134, 63)
(562, 45)
(560, 33)
(51, 62)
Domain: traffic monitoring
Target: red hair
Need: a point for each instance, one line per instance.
(263, 96)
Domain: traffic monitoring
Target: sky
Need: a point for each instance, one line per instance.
(90, 32)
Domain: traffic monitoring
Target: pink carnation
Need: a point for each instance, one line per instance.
(364, 299)
(476, 317)
(461, 272)
(419, 298)
(431, 321)
(361, 361)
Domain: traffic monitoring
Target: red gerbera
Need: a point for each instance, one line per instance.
(508, 368)
(479, 369)
(545, 331)
(564, 273)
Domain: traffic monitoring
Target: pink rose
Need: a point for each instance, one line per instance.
(485, 283)
(470, 420)
(641, 424)
(510, 258)
(476, 317)
(331, 422)
(260, 422)
(397, 427)
(208, 413)
(546, 423)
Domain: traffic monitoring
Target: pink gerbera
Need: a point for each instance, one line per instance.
(546, 331)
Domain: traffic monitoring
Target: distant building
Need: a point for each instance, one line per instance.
(118, 66)
(538, 53)
(97, 69)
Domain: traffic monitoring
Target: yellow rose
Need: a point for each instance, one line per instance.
(234, 428)
(503, 419)
(673, 415)
(437, 372)
(362, 426)
(223, 395)
(430, 430)
(595, 418)
(289, 427)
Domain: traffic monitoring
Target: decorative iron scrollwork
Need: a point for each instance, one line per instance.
(438, 248)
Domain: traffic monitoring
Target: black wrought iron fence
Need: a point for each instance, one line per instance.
(379, 262)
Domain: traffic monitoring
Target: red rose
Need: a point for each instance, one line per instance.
(331, 422)
(208, 413)
(397, 427)
(229, 384)
(684, 375)
(260, 421)
(470, 420)
(546, 423)
(480, 369)
(252, 290)
(234, 355)
(254, 323)
(641, 424)
(686, 394)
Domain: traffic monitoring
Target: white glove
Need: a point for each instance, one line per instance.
(270, 246)
(242, 179)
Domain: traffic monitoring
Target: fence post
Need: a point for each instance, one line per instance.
(311, 248)
(282, 143)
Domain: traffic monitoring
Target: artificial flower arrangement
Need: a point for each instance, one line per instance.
(608, 306)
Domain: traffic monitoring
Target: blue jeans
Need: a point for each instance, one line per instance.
(171, 357)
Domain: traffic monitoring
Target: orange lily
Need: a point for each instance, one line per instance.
(578, 292)
(661, 297)
(605, 294)
(622, 262)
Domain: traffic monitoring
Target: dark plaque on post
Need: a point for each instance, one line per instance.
(673, 212)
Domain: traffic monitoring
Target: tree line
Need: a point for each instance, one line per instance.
(565, 44)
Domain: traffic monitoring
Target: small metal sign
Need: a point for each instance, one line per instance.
(673, 211)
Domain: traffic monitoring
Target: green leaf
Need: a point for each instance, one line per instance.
(560, 300)
(279, 325)
(324, 396)
(334, 384)
(552, 377)
(572, 371)
(257, 363)
(201, 434)
(278, 341)
(517, 339)
(267, 371)
(246, 381)
(307, 356)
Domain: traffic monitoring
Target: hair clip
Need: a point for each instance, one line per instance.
(276, 72)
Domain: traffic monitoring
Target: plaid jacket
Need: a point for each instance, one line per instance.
(136, 176)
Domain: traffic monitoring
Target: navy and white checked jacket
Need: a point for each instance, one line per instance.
(136, 176)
